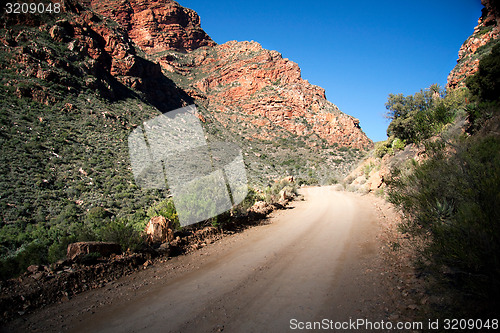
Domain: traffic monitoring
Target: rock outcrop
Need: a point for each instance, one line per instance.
(80, 249)
(486, 34)
(93, 48)
(155, 25)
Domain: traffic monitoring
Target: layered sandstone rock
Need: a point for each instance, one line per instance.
(159, 230)
(475, 47)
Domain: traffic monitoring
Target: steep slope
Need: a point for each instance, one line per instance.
(72, 87)
(373, 173)
(486, 35)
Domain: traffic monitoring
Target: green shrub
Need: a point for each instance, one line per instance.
(332, 180)
(252, 197)
(122, 232)
(382, 148)
(271, 193)
(17, 262)
(367, 168)
(485, 90)
(166, 209)
(58, 250)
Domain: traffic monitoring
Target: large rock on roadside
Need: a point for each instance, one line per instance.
(285, 196)
(159, 230)
(261, 208)
(80, 249)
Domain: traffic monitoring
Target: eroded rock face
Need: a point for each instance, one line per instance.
(112, 53)
(469, 55)
(155, 25)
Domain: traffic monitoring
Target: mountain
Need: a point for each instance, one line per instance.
(243, 91)
(485, 37)
(237, 79)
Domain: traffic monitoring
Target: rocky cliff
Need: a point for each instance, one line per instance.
(87, 52)
(486, 35)
(155, 25)
(247, 88)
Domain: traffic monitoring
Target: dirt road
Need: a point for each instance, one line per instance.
(314, 261)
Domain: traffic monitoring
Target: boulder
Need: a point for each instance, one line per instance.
(261, 208)
(285, 195)
(80, 249)
(159, 230)
(375, 181)
(34, 268)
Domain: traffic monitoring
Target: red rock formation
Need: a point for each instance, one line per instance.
(155, 25)
(241, 82)
(245, 87)
(264, 93)
(112, 54)
(486, 31)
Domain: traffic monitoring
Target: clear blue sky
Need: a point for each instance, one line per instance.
(359, 51)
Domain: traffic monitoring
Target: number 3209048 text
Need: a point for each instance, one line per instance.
(32, 8)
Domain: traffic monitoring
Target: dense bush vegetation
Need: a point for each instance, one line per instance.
(452, 198)
(453, 202)
(271, 193)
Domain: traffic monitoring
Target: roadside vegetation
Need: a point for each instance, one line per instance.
(451, 196)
